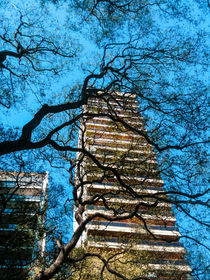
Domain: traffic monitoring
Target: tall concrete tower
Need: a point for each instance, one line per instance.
(124, 183)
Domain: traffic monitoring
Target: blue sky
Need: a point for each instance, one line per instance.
(88, 56)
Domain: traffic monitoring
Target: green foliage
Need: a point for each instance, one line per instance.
(154, 49)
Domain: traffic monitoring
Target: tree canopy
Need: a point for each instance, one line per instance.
(56, 55)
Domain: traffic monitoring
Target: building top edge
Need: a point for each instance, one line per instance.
(113, 92)
(15, 173)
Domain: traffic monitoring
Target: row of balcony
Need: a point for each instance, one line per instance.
(159, 217)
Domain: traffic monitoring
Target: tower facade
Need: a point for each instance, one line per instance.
(123, 182)
(23, 206)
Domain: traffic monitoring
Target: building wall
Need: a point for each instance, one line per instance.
(119, 141)
(23, 203)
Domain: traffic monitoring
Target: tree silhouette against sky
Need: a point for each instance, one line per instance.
(53, 53)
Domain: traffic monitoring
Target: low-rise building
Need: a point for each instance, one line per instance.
(23, 204)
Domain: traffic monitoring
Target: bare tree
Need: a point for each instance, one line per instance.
(29, 50)
(159, 67)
